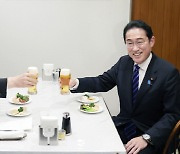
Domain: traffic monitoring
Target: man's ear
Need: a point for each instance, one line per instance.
(152, 41)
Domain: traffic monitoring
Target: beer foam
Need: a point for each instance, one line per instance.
(65, 71)
(32, 69)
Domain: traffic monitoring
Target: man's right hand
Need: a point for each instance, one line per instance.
(22, 81)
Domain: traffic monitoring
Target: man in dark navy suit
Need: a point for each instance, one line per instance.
(144, 123)
(19, 81)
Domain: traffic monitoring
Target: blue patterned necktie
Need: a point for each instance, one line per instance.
(130, 128)
(135, 82)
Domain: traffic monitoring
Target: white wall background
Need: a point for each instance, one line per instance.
(83, 35)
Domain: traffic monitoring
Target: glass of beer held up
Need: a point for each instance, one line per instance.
(65, 77)
(34, 71)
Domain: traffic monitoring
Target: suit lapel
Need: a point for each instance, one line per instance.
(126, 84)
(148, 80)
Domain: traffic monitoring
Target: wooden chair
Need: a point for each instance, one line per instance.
(173, 140)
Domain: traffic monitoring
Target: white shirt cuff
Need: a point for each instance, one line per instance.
(76, 85)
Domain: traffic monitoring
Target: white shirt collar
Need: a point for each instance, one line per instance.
(143, 66)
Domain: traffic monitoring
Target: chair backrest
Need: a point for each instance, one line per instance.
(173, 140)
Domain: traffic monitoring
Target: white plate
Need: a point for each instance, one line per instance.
(100, 110)
(14, 112)
(87, 101)
(18, 103)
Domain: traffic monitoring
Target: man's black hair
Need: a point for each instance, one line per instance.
(138, 24)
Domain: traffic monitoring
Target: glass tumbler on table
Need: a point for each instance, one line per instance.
(65, 77)
(34, 71)
(47, 72)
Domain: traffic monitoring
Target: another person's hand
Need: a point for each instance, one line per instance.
(21, 81)
(135, 145)
(72, 83)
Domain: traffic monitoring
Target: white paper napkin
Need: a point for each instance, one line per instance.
(17, 124)
(12, 134)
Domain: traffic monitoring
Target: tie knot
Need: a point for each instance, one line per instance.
(136, 67)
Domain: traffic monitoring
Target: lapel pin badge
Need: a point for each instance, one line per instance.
(149, 82)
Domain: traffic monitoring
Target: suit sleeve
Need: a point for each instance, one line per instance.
(101, 83)
(3, 87)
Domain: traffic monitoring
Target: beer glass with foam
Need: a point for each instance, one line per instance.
(34, 71)
(65, 77)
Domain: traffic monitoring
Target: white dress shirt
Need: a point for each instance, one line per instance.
(143, 68)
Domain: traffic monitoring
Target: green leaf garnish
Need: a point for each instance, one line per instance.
(20, 109)
(23, 98)
(86, 95)
(88, 107)
(91, 105)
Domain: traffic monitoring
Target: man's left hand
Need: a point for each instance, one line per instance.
(135, 145)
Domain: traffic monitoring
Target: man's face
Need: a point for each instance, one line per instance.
(138, 44)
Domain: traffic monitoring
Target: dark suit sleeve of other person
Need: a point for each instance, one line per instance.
(157, 106)
(3, 87)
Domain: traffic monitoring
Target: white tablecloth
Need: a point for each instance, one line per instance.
(91, 133)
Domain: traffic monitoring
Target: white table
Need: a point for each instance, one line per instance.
(91, 133)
